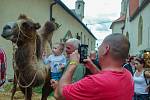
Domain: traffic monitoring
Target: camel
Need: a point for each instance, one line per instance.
(31, 71)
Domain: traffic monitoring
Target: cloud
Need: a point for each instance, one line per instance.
(96, 20)
(101, 27)
(98, 24)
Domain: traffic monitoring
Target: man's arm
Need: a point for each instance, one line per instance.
(65, 80)
(67, 76)
(91, 66)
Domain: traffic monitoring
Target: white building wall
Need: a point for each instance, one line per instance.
(132, 28)
(117, 27)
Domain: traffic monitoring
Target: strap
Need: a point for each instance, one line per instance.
(2, 83)
(146, 82)
(145, 77)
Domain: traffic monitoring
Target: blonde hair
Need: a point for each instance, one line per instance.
(61, 46)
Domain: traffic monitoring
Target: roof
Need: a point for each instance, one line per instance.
(133, 5)
(138, 10)
(73, 15)
(120, 19)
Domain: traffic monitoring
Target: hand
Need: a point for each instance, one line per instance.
(54, 83)
(43, 54)
(147, 88)
(75, 56)
(62, 66)
(88, 62)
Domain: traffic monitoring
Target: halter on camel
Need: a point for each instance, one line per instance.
(13, 61)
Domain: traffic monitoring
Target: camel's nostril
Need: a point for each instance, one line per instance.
(6, 31)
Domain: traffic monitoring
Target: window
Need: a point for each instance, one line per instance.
(81, 37)
(78, 37)
(67, 36)
(91, 45)
(140, 31)
(127, 35)
(79, 6)
(88, 42)
(84, 39)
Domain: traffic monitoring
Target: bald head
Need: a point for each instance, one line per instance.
(119, 46)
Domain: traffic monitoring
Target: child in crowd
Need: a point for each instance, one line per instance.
(57, 61)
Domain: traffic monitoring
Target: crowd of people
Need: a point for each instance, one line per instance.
(141, 76)
(113, 75)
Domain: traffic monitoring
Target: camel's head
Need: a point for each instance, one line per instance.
(49, 27)
(20, 31)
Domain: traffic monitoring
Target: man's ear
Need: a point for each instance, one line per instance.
(106, 49)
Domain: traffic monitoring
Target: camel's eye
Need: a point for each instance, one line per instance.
(25, 25)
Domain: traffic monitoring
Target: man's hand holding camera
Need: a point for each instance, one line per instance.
(74, 58)
(90, 65)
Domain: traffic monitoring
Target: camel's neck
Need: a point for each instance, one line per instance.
(25, 54)
(46, 43)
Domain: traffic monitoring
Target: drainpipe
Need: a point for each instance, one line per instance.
(148, 37)
(51, 10)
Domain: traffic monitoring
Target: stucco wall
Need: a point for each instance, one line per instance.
(117, 27)
(10, 10)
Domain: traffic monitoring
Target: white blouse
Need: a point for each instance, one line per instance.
(140, 83)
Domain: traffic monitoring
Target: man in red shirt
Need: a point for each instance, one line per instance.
(112, 83)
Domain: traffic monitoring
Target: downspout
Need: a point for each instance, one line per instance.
(51, 17)
(51, 10)
(122, 29)
(148, 37)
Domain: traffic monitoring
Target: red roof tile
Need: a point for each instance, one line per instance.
(134, 4)
(121, 18)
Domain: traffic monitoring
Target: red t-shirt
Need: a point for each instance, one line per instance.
(106, 85)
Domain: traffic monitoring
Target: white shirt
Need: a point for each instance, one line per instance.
(55, 62)
(140, 83)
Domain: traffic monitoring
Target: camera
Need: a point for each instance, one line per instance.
(83, 51)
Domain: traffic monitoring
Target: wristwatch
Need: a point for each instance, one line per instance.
(72, 62)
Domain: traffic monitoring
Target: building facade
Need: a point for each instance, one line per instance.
(40, 11)
(136, 26)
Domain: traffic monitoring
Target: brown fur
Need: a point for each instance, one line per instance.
(23, 16)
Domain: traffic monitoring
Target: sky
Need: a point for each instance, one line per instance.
(98, 15)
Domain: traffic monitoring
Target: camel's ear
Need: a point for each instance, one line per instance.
(37, 25)
(22, 16)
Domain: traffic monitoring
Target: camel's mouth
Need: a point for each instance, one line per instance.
(7, 35)
(7, 31)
